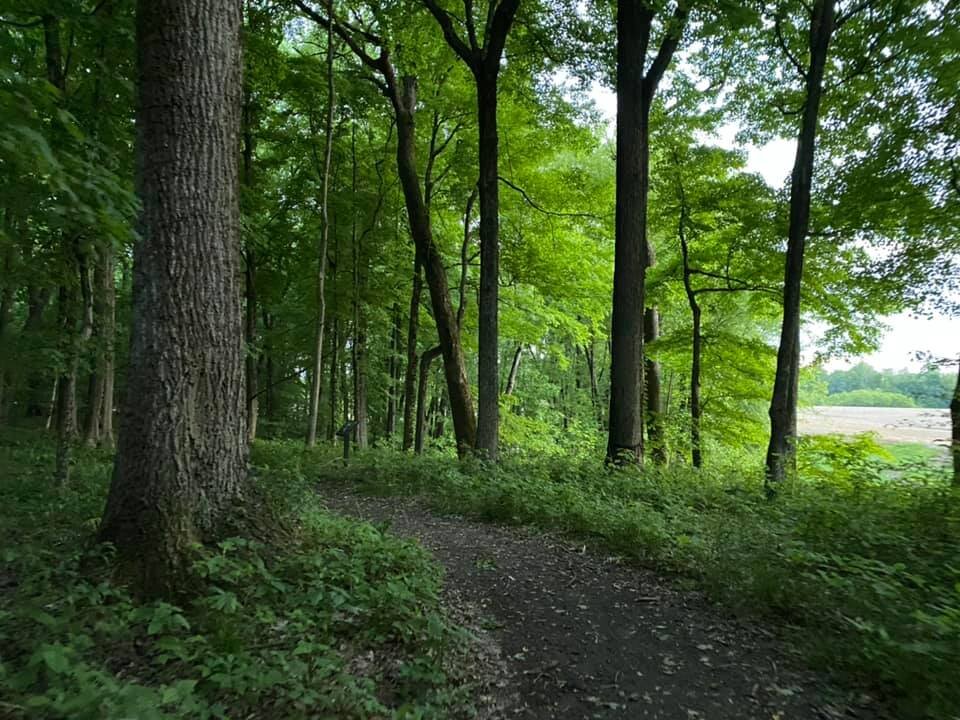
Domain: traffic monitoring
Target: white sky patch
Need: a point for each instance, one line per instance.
(907, 334)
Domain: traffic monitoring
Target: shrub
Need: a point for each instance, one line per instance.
(870, 398)
(346, 622)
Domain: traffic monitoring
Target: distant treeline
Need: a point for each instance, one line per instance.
(863, 386)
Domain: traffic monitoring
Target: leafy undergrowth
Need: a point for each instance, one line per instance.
(345, 624)
(863, 570)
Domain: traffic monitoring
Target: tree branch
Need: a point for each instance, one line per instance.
(496, 36)
(668, 45)
(347, 34)
(31, 24)
(450, 34)
(781, 41)
(539, 208)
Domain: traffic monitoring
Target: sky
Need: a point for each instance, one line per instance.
(907, 334)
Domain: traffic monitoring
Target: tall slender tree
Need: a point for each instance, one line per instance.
(483, 55)
(316, 377)
(402, 94)
(783, 405)
(636, 88)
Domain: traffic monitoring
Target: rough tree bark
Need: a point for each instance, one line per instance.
(316, 377)
(181, 463)
(636, 88)
(783, 405)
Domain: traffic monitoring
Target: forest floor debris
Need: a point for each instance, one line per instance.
(588, 636)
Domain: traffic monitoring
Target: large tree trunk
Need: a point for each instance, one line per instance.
(458, 387)
(636, 89)
(410, 372)
(625, 439)
(488, 357)
(181, 464)
(316, 377)
(781, 451)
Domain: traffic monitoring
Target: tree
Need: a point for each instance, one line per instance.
(862, 39)
(483, 55)
(181, 460)
(783, 405)
(636, 89)
(402, 94)
(316, 377)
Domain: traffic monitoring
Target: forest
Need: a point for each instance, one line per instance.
(444, 358)
(929, 388)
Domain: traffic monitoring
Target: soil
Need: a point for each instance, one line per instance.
(583, 635)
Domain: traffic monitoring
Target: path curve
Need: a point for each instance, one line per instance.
(586, 636)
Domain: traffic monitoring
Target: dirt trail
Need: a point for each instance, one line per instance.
(585, 636)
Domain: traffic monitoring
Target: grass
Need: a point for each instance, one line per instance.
(345, 623)
(860, 567)
(905, 453)
(859, 562)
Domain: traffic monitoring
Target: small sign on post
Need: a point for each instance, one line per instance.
(345, 432)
